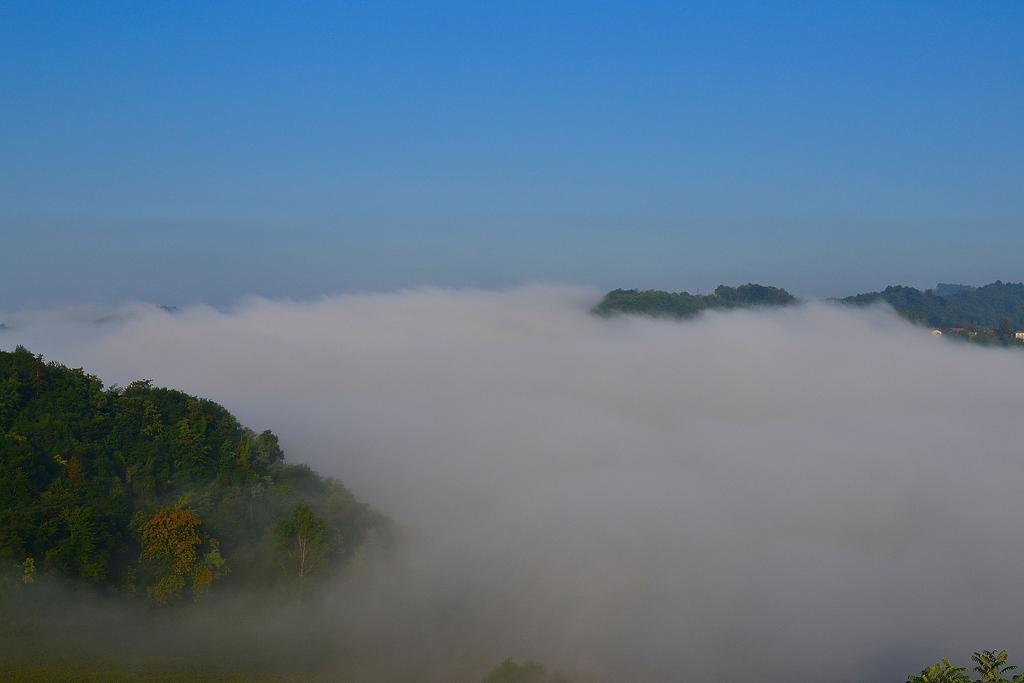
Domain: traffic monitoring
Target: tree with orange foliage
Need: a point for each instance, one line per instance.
(171, 542)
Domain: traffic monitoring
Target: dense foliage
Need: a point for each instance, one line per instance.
(150, 491)
(990, 666)
(685, 305)
(992, 307)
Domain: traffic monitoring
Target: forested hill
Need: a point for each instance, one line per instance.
(153, 492)
(948, 306)
(684, 305)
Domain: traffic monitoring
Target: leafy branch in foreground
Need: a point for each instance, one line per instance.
(990, 665)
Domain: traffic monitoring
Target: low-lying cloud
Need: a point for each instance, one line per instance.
(803, 494)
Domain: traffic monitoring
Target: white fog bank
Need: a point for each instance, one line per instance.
(811, 493)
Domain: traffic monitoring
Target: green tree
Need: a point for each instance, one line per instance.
(991, 667)
(28, 570)
(81, 549)
(10, 398)
(303, 538)
(1004, 333)
(943, 672)
(188, 447)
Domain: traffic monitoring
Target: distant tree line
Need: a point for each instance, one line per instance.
(153, 492)
(686, 305)
(990, 315)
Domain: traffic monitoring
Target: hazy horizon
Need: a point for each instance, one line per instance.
(100, 309)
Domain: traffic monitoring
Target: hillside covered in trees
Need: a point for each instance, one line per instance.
(991, 314)
(953, 305)
(685, 305)
(150, 492)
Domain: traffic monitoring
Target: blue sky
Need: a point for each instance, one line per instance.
(179, 152)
